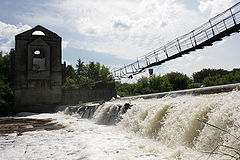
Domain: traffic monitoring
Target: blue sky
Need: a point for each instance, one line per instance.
(116, 32)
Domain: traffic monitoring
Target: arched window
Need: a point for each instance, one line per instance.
(37, 52)
(38, 33)
(38, 61)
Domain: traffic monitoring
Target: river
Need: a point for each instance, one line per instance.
(169, 128)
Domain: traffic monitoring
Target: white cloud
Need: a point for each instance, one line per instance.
(214, 7)
(121, 23)
(6, 46)
(87, 27)
(126, 29)
(7, 35)
(64, 44)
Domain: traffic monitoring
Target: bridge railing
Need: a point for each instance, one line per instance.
(184, 43)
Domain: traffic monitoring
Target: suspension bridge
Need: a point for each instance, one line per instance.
(218, 27)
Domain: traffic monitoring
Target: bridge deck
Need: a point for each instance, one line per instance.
(218, 27)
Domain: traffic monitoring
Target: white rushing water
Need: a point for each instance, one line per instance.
(153, 129)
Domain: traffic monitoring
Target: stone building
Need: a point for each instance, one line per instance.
(38, 74)
(37, 70)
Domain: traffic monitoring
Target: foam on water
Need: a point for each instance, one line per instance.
(182, 120)
(151, 129)
(175, 121)
(110, 112)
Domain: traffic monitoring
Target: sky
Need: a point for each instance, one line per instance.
(116, 32)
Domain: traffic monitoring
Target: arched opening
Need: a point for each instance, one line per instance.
(38, 33)
(37, 52)
(38, 61)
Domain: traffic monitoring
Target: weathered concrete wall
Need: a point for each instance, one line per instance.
(37, 71)
(37, 74)
(101, 92)
(36, 100)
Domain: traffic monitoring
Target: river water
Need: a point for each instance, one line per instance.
(170, 128)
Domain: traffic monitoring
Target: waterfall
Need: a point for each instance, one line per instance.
(179, 121)
(183, 120)
(169, 128)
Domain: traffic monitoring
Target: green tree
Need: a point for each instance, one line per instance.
(143, 86)
(89, 74)
(210, 81)
(70, 72)
(86, 82)
(5, 67)
(70, 83)
(178, 81)
(222, 78)
(194, 85)
(126, 89)
(198, 77)
(80, 69)
(229, 78)
(237, 77)
(93, 71)
(105, 74)
(159, 84)
(6, 96)
(6, 93)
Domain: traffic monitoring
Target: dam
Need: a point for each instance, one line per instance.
(194, 124)
(168, 128)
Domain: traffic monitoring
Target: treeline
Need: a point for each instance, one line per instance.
(6, 93)
(145, 85)
(86, 75)
(178, 81)
(213, 77)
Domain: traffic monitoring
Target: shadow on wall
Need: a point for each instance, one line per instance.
(101, 92)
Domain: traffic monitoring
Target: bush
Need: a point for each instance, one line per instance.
(86, 75)
(178, 81)
(70, 83)
(193, 85)
(6, 93)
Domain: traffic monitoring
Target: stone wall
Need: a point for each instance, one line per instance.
(37, 74)
(36, 71)
(101, 92)
(36, 100)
